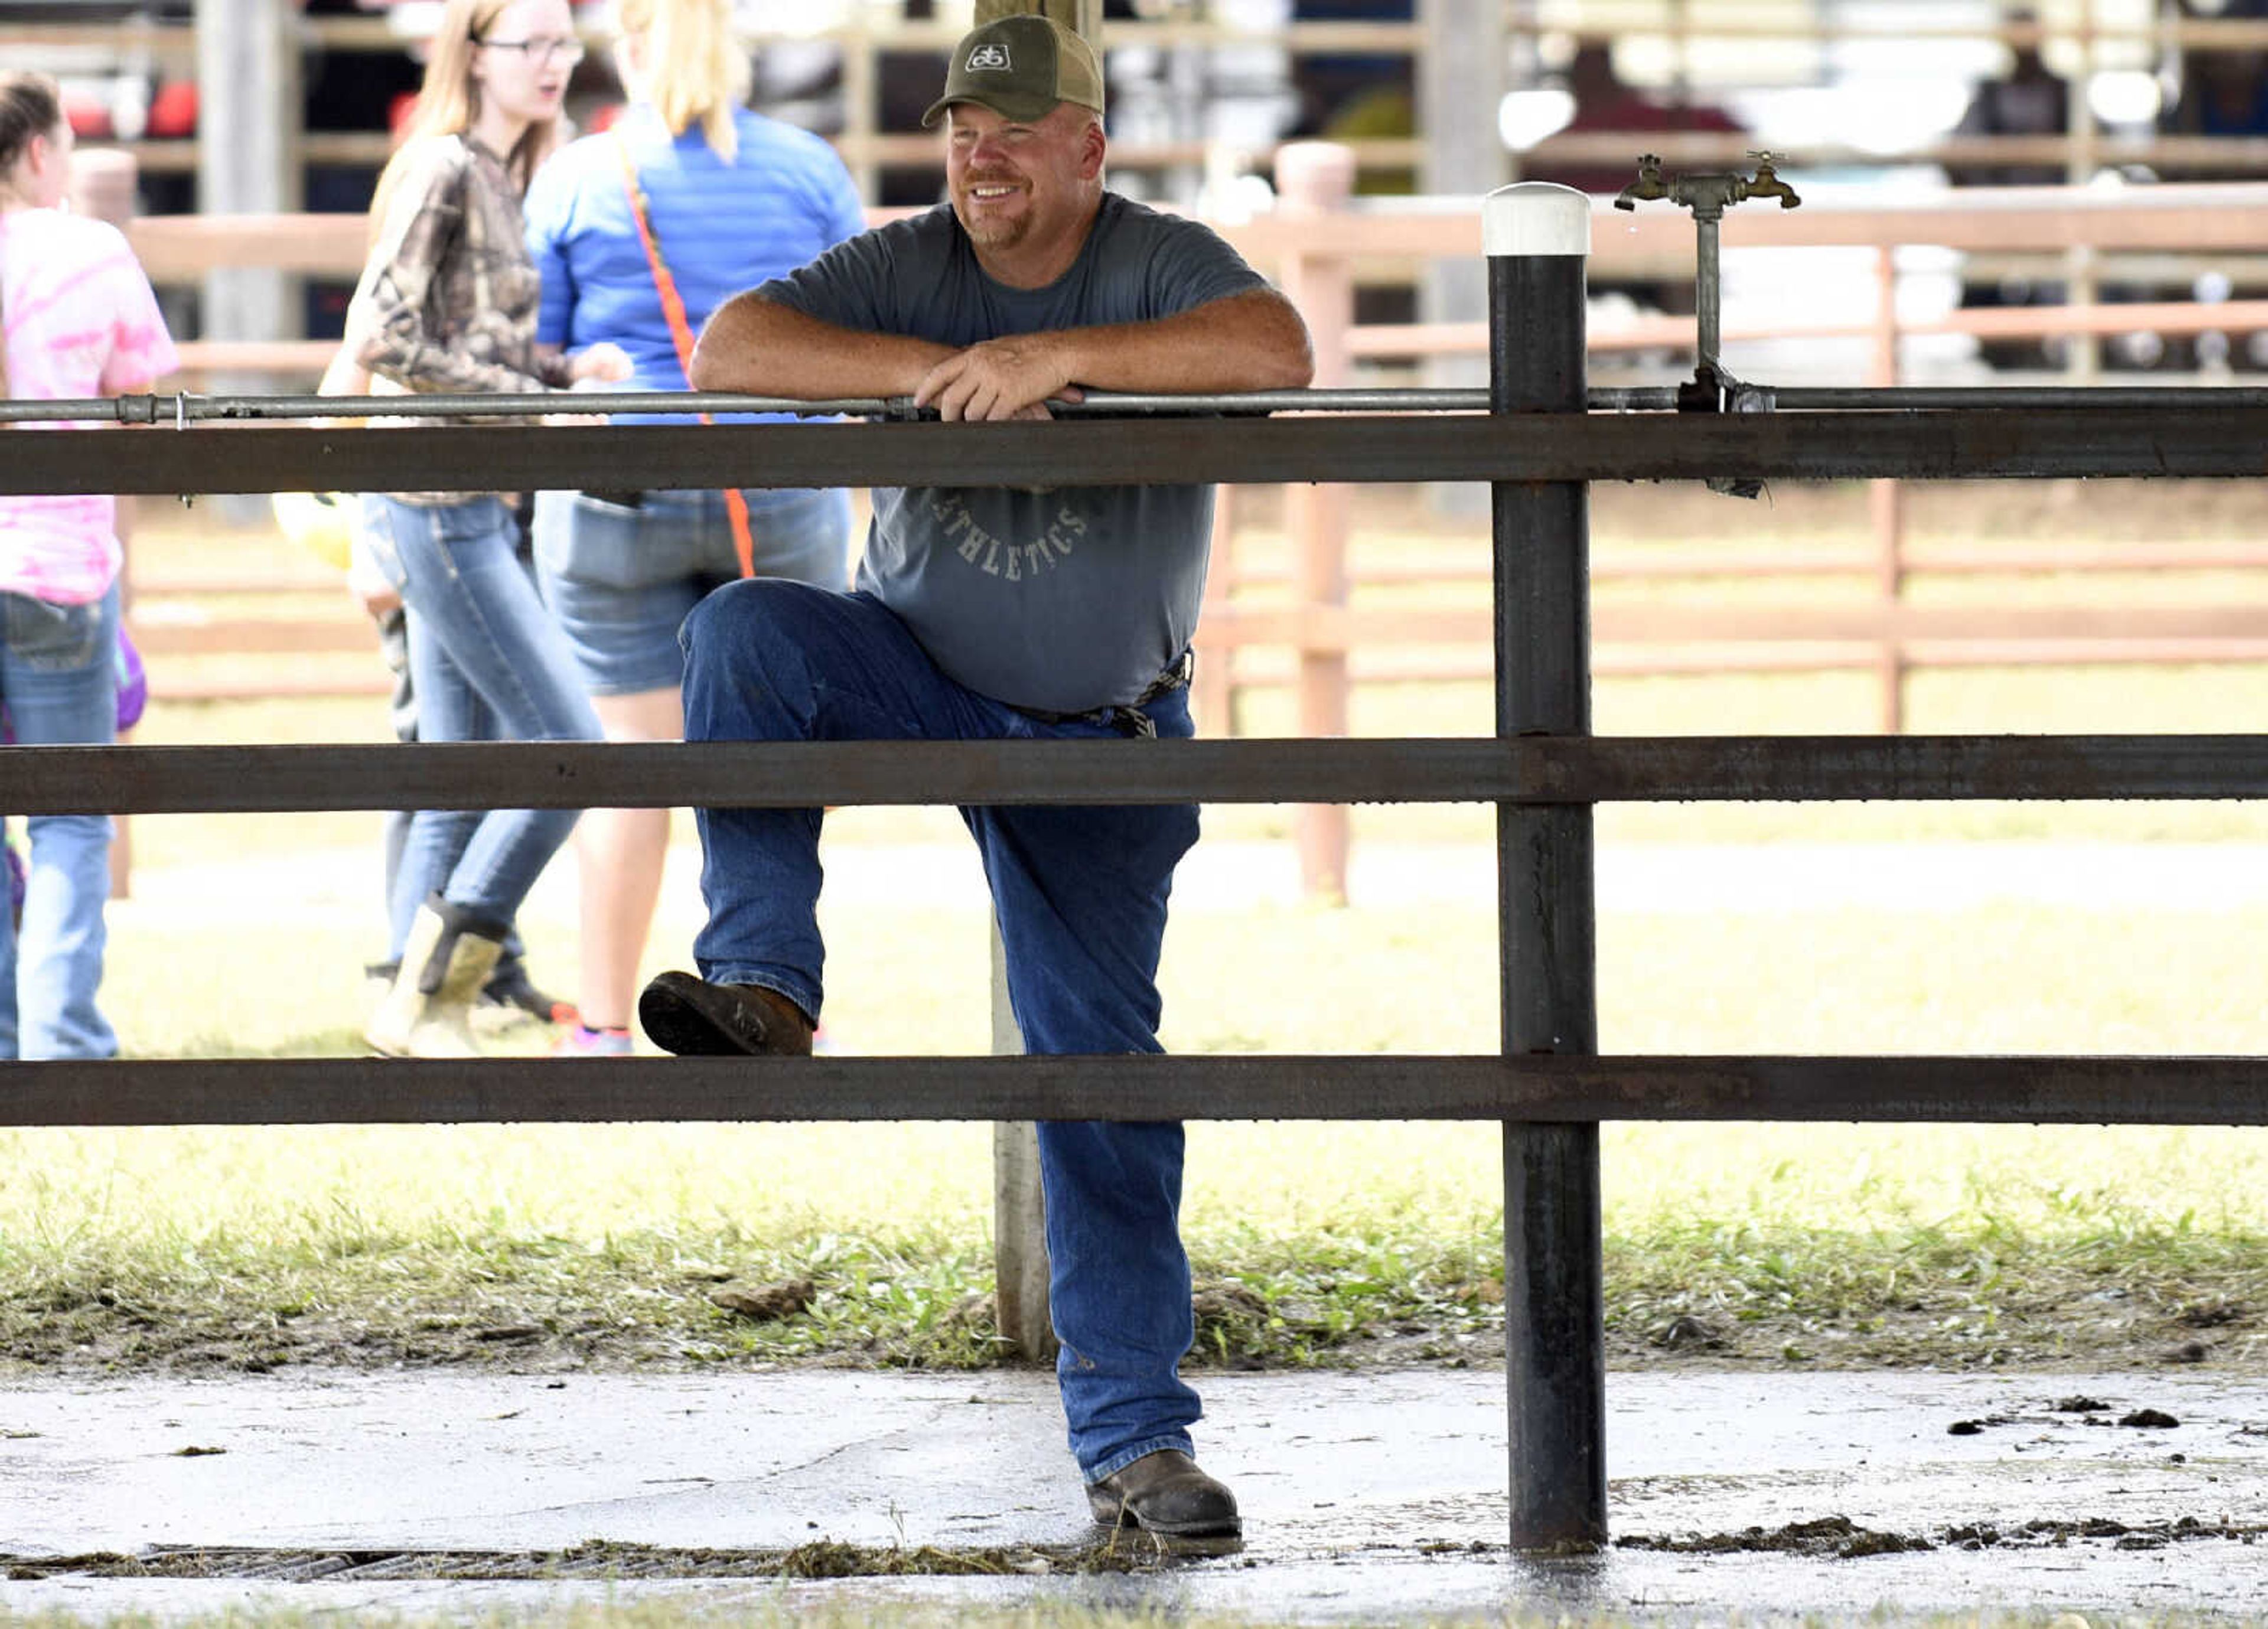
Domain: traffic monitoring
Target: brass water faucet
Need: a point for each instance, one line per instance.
(1706, 194)
(1648, 184)
(1767, 183)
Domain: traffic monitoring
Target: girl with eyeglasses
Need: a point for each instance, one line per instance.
(79, 321)
(447, 303)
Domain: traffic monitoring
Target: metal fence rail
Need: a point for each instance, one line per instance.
(1517, 770)
(182, 411)
(289, 1091)
(1555, 446)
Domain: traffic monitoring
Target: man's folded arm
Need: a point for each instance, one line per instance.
(1252, 341)
(754, 346)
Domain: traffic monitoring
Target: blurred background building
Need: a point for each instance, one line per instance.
(1863, 98)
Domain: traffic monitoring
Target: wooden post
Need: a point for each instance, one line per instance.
(1313, 178)
(2083, 364)
(242, 158)
(1886, 502)
(1083, 17)
(862, 103)
(248, 75)
(1020, 1207)
(103, 185)
(1460, 79)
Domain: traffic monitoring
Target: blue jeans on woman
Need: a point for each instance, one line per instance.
(60, 681)
(487, 663)
(1080, 895)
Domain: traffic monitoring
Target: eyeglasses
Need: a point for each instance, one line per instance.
(540, 51)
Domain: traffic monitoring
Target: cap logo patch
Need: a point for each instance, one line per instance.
(990, 57)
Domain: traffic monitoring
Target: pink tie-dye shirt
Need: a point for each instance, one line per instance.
(81, 321)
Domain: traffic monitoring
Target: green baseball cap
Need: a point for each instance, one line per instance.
(1019, 66)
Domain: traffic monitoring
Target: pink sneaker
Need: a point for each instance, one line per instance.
(581, 1042)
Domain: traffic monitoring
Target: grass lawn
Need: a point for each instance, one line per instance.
(1314, 1243)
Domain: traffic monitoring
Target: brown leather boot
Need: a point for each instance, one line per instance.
(694, 1018)
(1165, 1492)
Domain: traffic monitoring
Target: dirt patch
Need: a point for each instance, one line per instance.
(1839, 1539)
(618, 1321)
(2071, 1326)
(1836, 1537)
(765, 1303)
(823, 1557)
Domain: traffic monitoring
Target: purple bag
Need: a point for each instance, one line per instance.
(133, 690)
(133, 683)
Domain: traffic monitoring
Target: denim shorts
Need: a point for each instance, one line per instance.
(620, 576)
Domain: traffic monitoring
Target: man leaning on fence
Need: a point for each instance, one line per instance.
(988, 614)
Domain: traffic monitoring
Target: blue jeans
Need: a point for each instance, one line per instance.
(58, 679)
(1080, 896)
(487, 663)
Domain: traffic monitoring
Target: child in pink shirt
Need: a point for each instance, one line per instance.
(79, 321)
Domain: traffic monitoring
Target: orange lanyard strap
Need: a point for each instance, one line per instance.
(680, 332)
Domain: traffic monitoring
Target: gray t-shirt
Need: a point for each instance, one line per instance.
(1063, 599)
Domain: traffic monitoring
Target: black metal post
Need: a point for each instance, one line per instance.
(1538, 242)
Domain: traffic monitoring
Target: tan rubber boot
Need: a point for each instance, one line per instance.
(428, 1011)
(403, 1003)
(445, 1027)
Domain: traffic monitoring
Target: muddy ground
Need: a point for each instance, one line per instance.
(2211, 1322)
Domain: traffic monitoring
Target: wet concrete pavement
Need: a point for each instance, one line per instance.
(1368, 1497)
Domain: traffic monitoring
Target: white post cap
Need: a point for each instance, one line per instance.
(1535, 217)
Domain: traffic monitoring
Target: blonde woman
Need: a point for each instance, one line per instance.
(80, 322)
(730, 199)
(447, 303)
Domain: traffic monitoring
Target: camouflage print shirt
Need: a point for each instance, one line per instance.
(448, 299)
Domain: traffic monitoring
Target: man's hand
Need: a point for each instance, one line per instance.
(999, 379)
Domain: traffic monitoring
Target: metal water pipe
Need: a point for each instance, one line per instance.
(1708, 195)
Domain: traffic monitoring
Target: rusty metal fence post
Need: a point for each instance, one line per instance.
(1538, 239)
